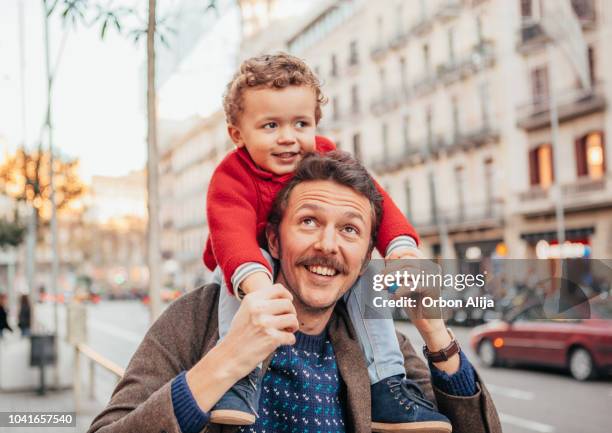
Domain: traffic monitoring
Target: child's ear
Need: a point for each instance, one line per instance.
(273, 247)
(235, 135)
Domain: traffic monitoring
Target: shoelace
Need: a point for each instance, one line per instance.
(410, 393)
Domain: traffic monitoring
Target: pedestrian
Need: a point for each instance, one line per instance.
(25, 316)
(3, 315)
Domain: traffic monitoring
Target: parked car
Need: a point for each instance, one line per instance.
(526, 336)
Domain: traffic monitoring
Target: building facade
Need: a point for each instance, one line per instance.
(444, 100)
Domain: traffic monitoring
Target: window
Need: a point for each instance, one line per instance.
(385, 139)
(399, 17)
(584, 9)
(541, 166)
(379, 29)
(488, 184)
(403, 77)
(539, 86)
(354, 99)
(335, 108)
(429, 125)
(460, 184)
(526, 8)
(433, 207)
(484, 104)
(353, 54)
(590, 156)
(408, 197)
(357, 146)
(406, 132)
(451, 45)
(334, 66)
(383, 81)
(591, 55)
(455, 114)
(426, 65)
(479, 33)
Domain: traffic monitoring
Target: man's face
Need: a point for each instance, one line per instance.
(277, 127)
(323, 242)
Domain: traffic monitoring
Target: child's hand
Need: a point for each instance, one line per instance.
(405, 253)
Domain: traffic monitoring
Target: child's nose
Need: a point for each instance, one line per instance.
(286, 136)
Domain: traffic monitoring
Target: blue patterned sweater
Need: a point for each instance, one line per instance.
(301, 391)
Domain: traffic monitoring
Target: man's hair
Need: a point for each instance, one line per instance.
(271, 71)
(336, 166)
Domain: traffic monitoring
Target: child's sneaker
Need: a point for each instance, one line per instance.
(398, 405)
(239, 404)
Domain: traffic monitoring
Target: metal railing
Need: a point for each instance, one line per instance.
(95, 359)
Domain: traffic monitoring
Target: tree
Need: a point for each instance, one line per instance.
(107, 17)
(24, 176)
(11, 233)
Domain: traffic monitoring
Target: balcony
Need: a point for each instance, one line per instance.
(481, 56)
(397, 159)
(421, 27)
(352, 66)
(332, 123)
(448, 9)
(378, 52)
(467, 218)
(531, 37)
(385, 103)
(571, 104)
(583, 194)
(399, 40)
(474, 138)
(425, 84)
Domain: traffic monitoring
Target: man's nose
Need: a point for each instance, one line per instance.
(286, 136)
(327, 242)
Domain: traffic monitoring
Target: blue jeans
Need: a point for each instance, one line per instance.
(375, 330)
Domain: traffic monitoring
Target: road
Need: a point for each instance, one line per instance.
(528, 400)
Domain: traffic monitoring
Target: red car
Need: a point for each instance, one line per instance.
(583, 346)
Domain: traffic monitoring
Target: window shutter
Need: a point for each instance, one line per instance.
(581, 163)
(534, 177)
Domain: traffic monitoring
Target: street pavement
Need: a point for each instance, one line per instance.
(528, 400)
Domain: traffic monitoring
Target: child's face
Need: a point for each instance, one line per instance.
(277, 127)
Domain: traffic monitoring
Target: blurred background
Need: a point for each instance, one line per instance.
(486, 121)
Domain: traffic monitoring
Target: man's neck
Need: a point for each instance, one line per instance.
(312, 322)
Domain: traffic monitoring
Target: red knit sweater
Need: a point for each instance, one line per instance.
(240, 197)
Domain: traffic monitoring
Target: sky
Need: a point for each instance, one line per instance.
(98, 97)
(99, 105)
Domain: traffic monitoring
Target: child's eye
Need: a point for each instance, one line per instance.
(270, 125)
(301, 124)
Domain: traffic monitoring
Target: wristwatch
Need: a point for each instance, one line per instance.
(444, 354)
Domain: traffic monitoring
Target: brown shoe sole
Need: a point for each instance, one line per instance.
(413, 427)
(231, 417)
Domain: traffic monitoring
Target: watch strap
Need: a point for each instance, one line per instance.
(444, 354)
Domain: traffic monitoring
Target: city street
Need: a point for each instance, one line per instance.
(528, 400)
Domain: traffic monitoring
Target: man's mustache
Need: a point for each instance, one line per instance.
(322, 260)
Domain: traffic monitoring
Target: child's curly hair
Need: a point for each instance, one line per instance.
(274, 71)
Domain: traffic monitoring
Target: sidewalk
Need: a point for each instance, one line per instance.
(19, 383)
(53, 401)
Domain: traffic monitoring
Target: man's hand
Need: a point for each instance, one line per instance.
(265, 320)
(427, 320)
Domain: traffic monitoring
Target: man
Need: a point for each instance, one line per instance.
(325, 217)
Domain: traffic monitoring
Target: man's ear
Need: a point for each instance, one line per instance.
(273, 242)
(235, 135)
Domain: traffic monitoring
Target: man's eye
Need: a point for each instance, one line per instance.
(308, 222)
(351, 230)
(270, 125)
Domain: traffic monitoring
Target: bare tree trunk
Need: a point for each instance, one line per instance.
(153, 244)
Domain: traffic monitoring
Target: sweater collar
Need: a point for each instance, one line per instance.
(243, 154)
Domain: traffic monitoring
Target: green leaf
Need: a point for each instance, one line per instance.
(103, 32)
